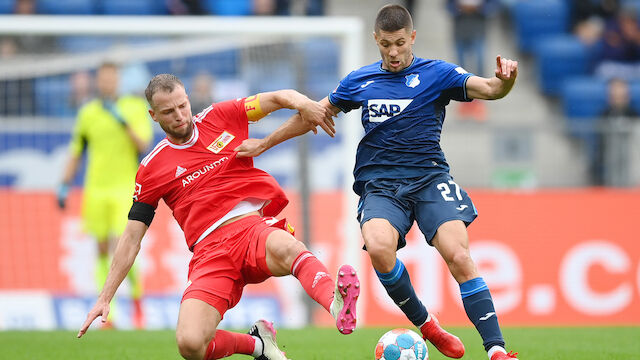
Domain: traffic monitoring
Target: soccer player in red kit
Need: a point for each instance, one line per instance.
(225, 207)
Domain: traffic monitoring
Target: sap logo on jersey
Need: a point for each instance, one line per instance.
(383, 109)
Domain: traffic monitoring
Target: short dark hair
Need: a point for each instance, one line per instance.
(392, 18)
(164, 82)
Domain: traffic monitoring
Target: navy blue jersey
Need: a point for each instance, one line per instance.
(402, 115)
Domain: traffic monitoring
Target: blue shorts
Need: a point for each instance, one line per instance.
(430, 200)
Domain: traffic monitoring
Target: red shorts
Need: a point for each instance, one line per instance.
(228, 259)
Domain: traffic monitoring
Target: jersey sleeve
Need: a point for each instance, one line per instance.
(79, 135)
(341, 97)
(233, 115)
(453, 80)
(145, 191)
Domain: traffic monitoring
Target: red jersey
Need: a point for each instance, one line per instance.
(202, 180)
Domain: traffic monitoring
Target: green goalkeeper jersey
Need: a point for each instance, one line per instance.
(112, 157)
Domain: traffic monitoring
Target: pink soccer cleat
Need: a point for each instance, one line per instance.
(449, 345)
(345, 296)
(499, 355)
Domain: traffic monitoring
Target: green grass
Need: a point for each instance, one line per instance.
(595, 343)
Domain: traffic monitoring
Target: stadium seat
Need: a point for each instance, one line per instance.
(537, 18)
(160, 67)
(634, 89)
(133, 7)
(7, 6)
(222, 63)
(228, 7)
(560, 57)
(269, 76)
(52, 96)
(584, 99)
(66, 7)
(630, 3)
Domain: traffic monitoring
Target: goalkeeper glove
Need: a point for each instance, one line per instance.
(110, 106)
(62, 195)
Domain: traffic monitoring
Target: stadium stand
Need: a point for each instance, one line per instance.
(228, 7)
(560, 57)
(67, 7)
(133, 7)
(6, 6)
(535, 19)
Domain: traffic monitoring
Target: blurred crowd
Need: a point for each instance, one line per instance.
(612, 29)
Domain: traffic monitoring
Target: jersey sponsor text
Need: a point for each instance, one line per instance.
(205, 169)
(383, 109)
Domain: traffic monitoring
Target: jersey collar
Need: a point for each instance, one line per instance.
(192, 139)
(401, 71)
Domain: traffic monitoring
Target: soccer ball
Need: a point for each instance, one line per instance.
(401, 344)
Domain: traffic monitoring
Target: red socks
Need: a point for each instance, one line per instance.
(314, 278)
(227, 343)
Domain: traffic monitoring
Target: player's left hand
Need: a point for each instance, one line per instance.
(100, 308)
(506, 69)
(250, 148)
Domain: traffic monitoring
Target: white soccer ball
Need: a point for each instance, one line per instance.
(401, 344)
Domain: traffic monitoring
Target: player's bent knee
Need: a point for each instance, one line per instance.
(190, 346)
(282, 250)
(382, 254)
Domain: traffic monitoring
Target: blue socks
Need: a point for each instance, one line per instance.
(479, 307)
(398, 286)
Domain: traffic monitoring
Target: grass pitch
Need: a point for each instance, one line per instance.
(594, 343)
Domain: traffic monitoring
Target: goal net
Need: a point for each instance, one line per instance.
(47, 69)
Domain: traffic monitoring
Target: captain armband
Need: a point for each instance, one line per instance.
(253, 109)
(142, 212)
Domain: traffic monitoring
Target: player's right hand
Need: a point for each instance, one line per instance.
(317, 114)
(62, 194)
(100, 308)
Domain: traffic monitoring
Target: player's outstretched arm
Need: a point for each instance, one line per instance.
(496, 87)
(291, 128)
(312, 112)
(126, 252)
(294, 126)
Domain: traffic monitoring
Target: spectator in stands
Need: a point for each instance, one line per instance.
(81, 89)
(31, 44)
(186, 7)
(611, 161)
(264, 7)
(589, 16)
(470, 19)
(288, 7)
(202, 93)
(114, 130)
(620, 47)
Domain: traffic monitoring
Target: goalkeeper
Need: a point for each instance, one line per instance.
(114, 131)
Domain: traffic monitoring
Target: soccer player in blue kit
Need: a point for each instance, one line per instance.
(401, 173)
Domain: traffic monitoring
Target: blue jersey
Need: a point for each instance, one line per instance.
(402, 115)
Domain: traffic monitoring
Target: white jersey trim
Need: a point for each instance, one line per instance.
(192, 140)
(156, 150)
(243, 207)
(202, 114)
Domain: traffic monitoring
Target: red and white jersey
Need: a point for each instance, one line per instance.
(202, 180)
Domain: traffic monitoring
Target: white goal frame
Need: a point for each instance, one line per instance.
(348, 30)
